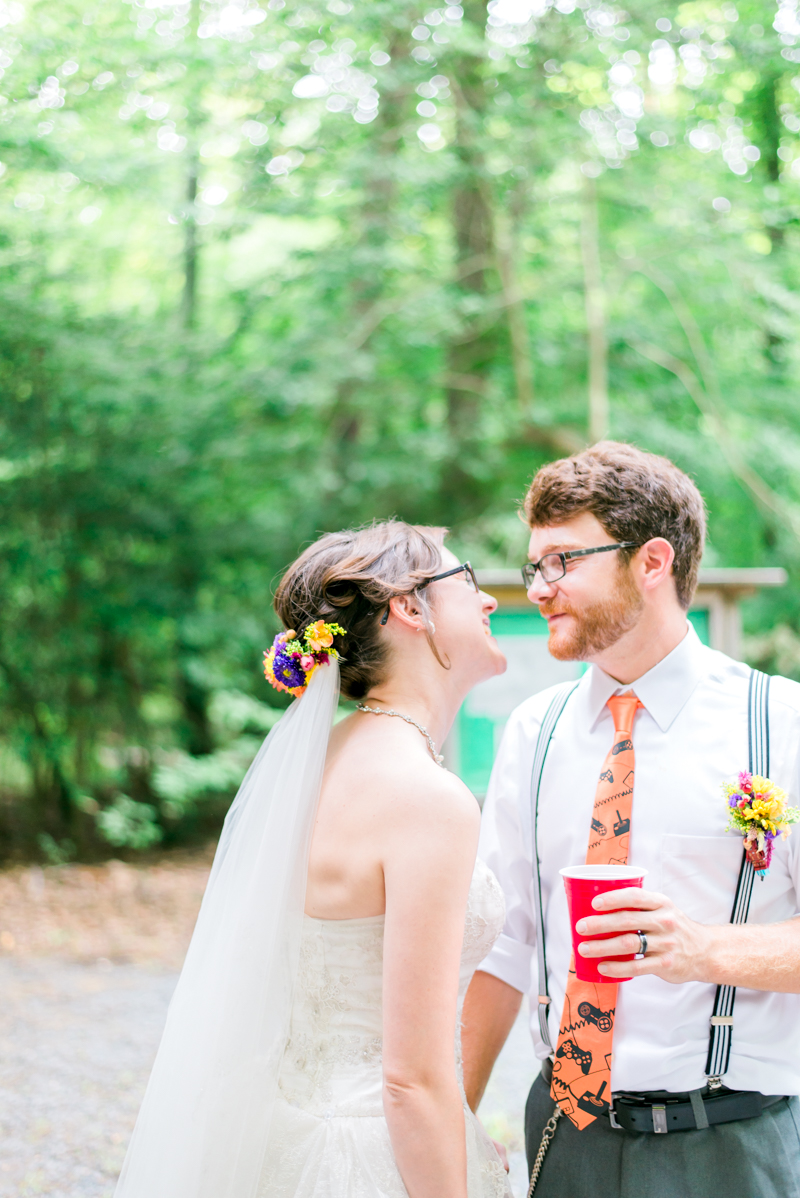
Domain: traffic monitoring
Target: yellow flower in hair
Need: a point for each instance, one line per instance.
(319, 636)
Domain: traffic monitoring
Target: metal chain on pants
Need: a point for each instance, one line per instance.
(547, 1135)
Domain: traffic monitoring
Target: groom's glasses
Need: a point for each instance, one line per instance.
(469, 575)
(554, 565)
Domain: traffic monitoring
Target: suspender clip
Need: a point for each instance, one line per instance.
(544, 1000)
(719, 1020)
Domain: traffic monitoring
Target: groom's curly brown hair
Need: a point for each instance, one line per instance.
(635, 495)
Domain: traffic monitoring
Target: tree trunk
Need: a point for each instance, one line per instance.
(194, 701)
(595, 315)
(189, 298)
(52, 788)
(193, 99)
(368, 283)
(472, 351)
(507, 255)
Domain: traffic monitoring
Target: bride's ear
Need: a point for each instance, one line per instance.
(405, 610)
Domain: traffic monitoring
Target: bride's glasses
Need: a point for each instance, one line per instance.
(468, 572)
(554, 565)
(469, 575)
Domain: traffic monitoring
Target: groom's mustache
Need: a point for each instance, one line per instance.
(549, 608)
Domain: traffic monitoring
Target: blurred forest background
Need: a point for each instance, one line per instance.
(272, 267)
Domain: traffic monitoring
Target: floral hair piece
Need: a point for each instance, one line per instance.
(758, 809)
(291, 661)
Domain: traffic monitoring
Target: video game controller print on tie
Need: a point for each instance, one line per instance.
(582, 1067)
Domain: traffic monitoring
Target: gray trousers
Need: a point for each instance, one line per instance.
(751, 1158)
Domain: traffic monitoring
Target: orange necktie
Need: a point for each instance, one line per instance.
(582, 1068)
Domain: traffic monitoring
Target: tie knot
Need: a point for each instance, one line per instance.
(623, 708)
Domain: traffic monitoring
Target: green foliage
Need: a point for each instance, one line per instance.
(55, 852)
(267, 271)
(184, 780)
(126, 823)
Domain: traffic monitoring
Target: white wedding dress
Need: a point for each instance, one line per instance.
(329, 1137)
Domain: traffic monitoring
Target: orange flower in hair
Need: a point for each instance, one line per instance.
(319, 636)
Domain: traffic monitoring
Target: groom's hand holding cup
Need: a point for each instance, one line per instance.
(607, 903)
(583, 883)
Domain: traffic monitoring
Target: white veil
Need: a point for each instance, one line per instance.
(204, 1122)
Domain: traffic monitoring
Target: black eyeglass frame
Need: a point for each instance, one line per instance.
(466, 566)
(530, 568)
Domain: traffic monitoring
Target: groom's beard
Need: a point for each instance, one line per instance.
(598, 625)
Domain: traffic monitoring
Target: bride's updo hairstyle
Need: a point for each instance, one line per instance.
(348, 578)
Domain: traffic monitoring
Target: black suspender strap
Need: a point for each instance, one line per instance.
(721, 1035)
(557, 704)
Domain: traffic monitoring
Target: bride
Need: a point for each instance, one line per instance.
(312, 1048)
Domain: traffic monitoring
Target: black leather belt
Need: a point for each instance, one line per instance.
(659, 1111)
(663, 1112)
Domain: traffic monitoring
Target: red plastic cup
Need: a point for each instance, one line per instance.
(582, 883)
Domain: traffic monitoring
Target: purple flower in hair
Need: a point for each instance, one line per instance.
(288, 670)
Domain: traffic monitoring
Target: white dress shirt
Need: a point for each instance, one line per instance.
(690, 737)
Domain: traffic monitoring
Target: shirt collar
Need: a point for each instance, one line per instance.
(663, 690)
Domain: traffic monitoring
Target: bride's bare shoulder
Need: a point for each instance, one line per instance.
(392, 785)
(423, 794)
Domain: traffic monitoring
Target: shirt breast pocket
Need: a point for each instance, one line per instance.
(699, 874)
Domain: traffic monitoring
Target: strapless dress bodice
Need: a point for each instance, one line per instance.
(333, 1058)
(331, 1077)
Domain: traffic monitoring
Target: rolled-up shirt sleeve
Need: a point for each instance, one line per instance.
(504, 846)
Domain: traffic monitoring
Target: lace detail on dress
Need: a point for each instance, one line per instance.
(484, 921)
(482, 925)
(494, 1179)
(340, 968)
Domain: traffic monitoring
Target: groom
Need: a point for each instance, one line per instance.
(616, 541)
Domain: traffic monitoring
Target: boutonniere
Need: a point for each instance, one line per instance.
(758, 809)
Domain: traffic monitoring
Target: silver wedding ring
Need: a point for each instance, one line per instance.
(642, 943)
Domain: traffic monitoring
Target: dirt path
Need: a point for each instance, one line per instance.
(89, 956)
(76, 1046)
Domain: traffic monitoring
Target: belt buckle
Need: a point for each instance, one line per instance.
(612, 1118)
(659, 1112)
